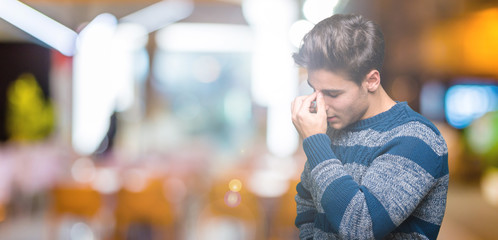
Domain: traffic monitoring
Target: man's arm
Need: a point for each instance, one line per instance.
(306, 210)
(389, 192)
(307, 123)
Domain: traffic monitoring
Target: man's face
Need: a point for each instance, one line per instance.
(345, 101)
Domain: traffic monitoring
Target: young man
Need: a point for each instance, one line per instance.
(376, 169)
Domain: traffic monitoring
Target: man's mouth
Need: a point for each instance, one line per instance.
(331, 119)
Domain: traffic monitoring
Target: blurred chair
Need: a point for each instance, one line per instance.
(223, 217)
(77, 200)
(73, 203)
(144, 214)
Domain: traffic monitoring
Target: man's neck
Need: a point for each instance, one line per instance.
(380, 102)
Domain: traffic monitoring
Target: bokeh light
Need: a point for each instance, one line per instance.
(317, 10)
(269, 182)
(83, 170)
(432, 100)
(235, 185)
(482, 137)
(489, 186)
(106, 181)
(298, 30)
(94, 86)
(232, 199)
(81, 231)
(39, 26)
(465, 103)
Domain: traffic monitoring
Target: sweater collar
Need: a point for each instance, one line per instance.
(383, 117)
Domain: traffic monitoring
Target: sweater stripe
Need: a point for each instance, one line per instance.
(303, 217)
(426, 210)
(336, 199)
(372, 138)
(401, 190)
(302, 191)
(382, 223)
(317, 149)
(416, 225)
(357, 215)
(419, 153)
(322, 176)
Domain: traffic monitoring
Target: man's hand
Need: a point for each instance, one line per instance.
(306, 121)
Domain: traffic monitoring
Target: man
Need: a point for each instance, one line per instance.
(376, 169)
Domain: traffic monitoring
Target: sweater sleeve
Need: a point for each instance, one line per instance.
(306, 211)
(390, 190)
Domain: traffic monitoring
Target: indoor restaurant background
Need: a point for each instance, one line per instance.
(147, 119)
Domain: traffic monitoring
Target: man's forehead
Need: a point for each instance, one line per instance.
(323, 77)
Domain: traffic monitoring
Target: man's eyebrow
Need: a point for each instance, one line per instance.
(332, 91)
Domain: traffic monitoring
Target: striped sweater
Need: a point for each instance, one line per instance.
(384, 177)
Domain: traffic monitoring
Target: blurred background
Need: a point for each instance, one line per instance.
(147, 119)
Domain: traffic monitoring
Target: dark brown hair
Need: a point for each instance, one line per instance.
(343, 43)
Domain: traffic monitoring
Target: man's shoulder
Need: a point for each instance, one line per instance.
(413, 127)
(414, 121)
(415, 130)
(423, 142)
(399, 115)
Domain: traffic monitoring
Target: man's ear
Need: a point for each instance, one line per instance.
(372, 81)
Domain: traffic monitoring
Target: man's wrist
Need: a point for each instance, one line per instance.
(307, 135)
(317, 149)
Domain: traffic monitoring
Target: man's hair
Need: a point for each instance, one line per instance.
(348, 44)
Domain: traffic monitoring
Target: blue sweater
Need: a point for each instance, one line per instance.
(385, 177)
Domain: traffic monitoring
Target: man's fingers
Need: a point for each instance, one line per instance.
(305, 118)
(320, 103)
(307, 101)
(296, 104)
(299, 103)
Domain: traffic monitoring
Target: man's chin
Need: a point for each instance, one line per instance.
(335, 126)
